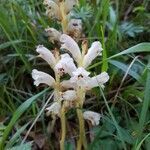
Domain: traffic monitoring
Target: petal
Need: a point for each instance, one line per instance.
(46, 55)
(80, 77)
(81, 71)
(69, 95)
(67, 84)
(98, 80)
(69, 4)
(65, 65)
(92, 116)
(69, 44)
(54, 109)
(42, 77)
(92, 53)
(53, 34)
(52, 9)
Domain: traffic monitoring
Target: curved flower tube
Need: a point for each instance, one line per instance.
(69, 95)
(42, 77)
(65, 65)
(54, 109)
(46, 55)
(69, 44)
(98, 80)
(53, 34)
(93, 117)
(94, 51)
(52, 9)
(69, 4)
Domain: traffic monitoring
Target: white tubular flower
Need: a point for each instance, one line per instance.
(42, 77)
(65, 65)
(67, 84)
(93, 52)
(75, 28)
(52, 9)
(46, 55)
(54, 109)
(69, 44)
(80, 77)
(69, 4)
(93, 117)
(98, 80)
(69, 95)
(53, 34)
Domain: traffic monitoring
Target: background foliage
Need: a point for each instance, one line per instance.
(119, 25)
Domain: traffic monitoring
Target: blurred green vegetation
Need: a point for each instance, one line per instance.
(119, 25)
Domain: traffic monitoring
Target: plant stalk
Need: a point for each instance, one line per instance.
(63, 128)
(82, 138)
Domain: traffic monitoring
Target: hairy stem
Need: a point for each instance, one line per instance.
(64, 21)
(63, 128)
(82, 138)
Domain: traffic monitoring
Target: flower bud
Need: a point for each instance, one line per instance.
(52, 9)
(74, 28)
(53, 34)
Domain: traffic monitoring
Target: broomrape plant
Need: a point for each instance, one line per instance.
(69, 93)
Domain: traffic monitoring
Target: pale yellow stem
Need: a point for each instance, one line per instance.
(82, 137)
(64, 20)
(62, 113)
(63, 128)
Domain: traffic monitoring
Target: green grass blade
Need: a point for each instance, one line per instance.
(10, 43)
(145, 106)
(17, 114)
(104, 55)
(142, 47)
(16, 136)
(114, 120)
(140, 144)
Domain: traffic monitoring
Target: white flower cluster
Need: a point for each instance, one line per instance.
(61, 11)
(75, 67)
